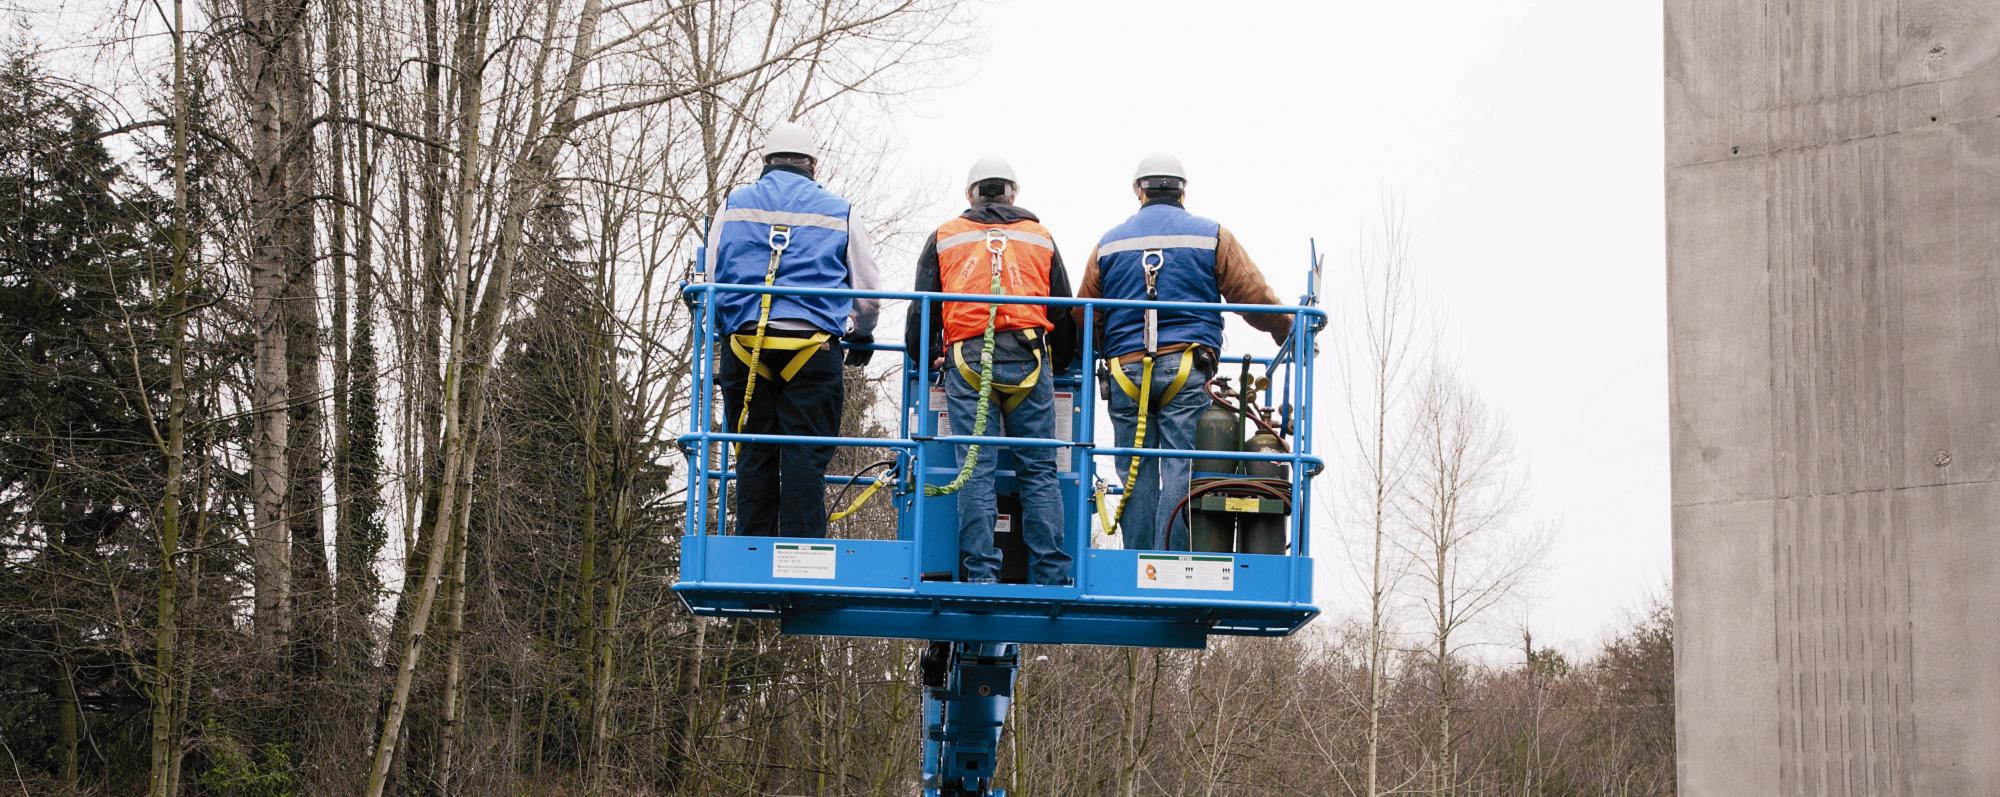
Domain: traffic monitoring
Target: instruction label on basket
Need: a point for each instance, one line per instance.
(796, 560)
(938, 404)
(1187, 571)
(1065, 412)
(1065, 416)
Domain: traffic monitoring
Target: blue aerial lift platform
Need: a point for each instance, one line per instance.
(907, 586)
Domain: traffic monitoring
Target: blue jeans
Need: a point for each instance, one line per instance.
(1149, 519)
(1034, 473)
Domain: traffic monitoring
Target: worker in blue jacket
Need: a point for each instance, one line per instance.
(781, 373)
(1165, 253)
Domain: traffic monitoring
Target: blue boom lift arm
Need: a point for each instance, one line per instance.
(968, 688)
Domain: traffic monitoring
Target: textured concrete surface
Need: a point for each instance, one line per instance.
(1833, 236)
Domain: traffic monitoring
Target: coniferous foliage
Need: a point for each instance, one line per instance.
(81, 373)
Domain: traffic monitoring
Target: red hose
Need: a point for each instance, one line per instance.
(1267, 487)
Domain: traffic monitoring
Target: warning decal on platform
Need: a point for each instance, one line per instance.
(1065, 414)
(938, 403)
(793, 560)
(1187, 571)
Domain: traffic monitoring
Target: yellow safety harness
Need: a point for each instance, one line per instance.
(996, 245)
(1015, 393)
(1151, 260)
(750, 348)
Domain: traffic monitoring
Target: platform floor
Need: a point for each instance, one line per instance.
(872, 588)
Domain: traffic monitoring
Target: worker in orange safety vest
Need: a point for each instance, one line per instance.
(997, 242)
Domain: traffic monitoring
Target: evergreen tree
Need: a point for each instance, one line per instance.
(82, 378)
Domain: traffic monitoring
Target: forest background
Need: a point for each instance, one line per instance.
(341, 365)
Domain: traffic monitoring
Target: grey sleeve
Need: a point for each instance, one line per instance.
(862, 276)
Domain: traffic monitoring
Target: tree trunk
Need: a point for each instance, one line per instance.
(471, 44)
(163, 763)
(66, 724)
(278, 196)
(1441, 780)
(587, 581)
(358, 536)
(305, 496)
(454, 681)
(1128, 730)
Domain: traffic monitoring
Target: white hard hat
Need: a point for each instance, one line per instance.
(791, 138)
(1159, 164)
(990, 168)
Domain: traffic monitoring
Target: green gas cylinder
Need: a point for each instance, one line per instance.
(1264, 442)
(1264, 533)
(1218, 429)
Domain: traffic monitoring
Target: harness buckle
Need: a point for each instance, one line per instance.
(996, 244)
(781, 237)
(1152, 260)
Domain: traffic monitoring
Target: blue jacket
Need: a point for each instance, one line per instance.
(823, 250)
(1186, 245)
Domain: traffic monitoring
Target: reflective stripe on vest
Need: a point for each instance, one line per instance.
(965, 266)
(815, 256)
(1145, 242)
(783, 217)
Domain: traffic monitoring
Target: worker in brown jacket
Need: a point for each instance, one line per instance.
(1165, 253)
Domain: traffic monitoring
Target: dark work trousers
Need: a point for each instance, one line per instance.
(780, 489)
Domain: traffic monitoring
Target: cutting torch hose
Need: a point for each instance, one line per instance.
(865, 494)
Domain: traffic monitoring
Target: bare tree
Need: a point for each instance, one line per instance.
(1379, 354)
(1462, 495)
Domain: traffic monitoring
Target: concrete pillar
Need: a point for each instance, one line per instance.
(1833, 240)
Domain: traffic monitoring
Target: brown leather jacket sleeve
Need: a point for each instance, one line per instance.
(1087, 289)
(1240, 283)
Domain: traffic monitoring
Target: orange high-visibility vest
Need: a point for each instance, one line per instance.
(965, 265)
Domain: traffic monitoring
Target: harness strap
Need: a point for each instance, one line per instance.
(1145, 391)
(1173, 387)
(1107, 521)
(803, 350)
(1014, 394)
(780, 237)
(1151, 261)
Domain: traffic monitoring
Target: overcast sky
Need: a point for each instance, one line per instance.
(1522, 140)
